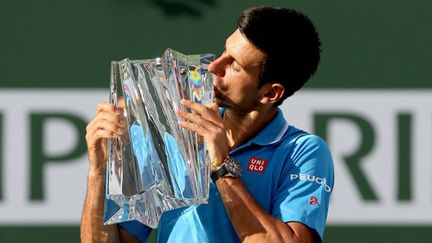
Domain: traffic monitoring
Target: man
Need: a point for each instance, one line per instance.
(284, 190)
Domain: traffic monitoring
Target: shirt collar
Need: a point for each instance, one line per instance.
(272, 132)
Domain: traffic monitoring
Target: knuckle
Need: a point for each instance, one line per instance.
(220, 130)
(202, 109)
(106, 104)
(188, 124)
(102, 106)
(113, 127)
(222, 126)
(185, 115)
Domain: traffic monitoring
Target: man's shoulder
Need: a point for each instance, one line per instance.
(303, 138)
(298, 139)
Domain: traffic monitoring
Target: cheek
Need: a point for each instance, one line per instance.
(237, 84)
(228, 83)
(250, 93)
(248, 86)
(243, 94)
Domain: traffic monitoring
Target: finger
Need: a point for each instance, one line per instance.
(112, 117)
(106, 121)
(121, 103)
(108, 126)
(193, 106)
(213, 106)
(108, 107)
(105, 106)
(98, 136)
(193, 127)
(204, 111)
(94, 138)
(199, 120)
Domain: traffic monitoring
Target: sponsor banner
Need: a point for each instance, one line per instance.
(380, 142)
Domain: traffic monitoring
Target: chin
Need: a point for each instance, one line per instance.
(222, 101)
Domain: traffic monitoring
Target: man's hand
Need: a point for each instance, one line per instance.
(108, 123)
(251, 222)
(207, 122)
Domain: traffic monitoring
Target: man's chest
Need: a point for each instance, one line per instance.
(261, 172)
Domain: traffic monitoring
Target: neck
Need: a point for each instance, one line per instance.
(242, 126)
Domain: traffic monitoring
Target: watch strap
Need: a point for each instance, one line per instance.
(218, 173)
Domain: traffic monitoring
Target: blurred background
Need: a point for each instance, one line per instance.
(370, 100)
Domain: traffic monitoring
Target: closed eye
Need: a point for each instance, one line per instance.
(235, 66)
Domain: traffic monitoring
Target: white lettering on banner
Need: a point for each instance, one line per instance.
(380, 142)
(312, 178)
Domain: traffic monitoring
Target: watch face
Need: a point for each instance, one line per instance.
(233, 166)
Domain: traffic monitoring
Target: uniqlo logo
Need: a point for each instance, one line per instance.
(257, 165)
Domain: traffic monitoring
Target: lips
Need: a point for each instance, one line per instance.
(216, 92)
(221, 99)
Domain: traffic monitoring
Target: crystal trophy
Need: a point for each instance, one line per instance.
(156, 166)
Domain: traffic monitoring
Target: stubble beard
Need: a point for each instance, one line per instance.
(224, 101)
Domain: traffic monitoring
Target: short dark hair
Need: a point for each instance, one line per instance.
(291, 44)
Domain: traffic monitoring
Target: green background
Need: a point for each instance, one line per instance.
(61, 44)
(57, 43)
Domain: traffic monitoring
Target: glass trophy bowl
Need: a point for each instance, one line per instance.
(156, 166)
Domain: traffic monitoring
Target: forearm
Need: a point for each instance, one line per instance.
(92, 227)
(251, 222)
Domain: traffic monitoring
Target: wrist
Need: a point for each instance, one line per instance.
(97, 172)
(216, 163)
(230, 167)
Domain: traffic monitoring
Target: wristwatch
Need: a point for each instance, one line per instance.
(230, 167)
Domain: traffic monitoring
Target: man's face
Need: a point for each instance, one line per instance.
(236, 74)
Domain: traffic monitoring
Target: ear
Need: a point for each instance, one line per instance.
(272, 93)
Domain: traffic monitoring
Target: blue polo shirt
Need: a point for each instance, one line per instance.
(289, 173)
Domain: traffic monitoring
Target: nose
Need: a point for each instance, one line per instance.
(217, 67)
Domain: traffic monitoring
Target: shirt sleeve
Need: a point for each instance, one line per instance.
(305, 185)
